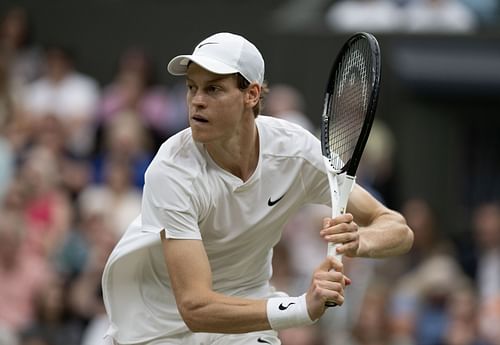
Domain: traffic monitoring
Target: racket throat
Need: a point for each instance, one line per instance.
(340, 194)
(341, 186)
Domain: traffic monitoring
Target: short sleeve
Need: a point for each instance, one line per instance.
(168, 203)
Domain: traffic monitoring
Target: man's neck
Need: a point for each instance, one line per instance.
(239, 155)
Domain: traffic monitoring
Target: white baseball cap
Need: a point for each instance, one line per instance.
(223, 53)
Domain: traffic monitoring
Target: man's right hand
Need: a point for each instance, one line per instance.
(328, 283)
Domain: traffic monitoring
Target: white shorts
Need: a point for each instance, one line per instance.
(253, 338)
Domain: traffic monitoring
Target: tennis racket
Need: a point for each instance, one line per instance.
(349, 108)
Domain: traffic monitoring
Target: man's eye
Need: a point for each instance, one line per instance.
(213, 88)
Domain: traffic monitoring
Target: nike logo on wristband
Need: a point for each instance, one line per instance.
(283, 307)
(260, 340)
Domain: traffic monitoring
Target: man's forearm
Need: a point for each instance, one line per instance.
(387, 235)
(224, 314)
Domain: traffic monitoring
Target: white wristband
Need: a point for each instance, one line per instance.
(287, 312)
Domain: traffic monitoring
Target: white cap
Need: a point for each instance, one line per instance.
(223, 53)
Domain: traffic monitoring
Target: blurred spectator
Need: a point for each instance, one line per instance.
(126, 140)
(376, 171)
(22, 273)
(423, 278)
(45, 204)
(70, 258)
(22, 57)
(364, 15)
(67, 94)
(6, 95)
(419, 312)
(486, 227)
(51, 135)
(7, 155)
(286, 102)
(445, 16)
(14, 128)
(74, 172)
(462, 326)
(429, 238)
(117, 198)
(92, 225)
(85, 292)
(372, 326)
(429, 241)
(53, 320)
(81, 259)
(133, 92)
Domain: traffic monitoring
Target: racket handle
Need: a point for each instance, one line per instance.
(332, 251)
(340, 195)
(329, 304)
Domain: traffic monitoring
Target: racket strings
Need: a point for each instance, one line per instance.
(349, 103)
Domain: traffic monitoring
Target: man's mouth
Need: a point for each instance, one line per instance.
(199, 118)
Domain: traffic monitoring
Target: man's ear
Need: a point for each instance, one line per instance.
(253, 94)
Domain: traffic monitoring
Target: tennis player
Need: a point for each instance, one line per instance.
(194, 267)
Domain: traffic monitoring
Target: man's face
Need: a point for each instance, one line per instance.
(216, 105)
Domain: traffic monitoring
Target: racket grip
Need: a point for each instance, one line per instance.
(329, 304)
(332, 251)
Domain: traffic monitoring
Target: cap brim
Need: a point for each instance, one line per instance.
(179, 64)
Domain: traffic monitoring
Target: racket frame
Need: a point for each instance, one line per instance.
(351, 166)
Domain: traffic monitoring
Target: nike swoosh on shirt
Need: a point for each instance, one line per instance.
(274, 202)
(260, 340)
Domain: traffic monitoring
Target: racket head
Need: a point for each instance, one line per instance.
(351, 96)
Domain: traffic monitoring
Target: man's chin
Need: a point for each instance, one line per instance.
(200, 138)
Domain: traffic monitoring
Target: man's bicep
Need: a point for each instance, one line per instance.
(188, 268)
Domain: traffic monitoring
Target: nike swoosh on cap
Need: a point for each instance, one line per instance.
(204, 44)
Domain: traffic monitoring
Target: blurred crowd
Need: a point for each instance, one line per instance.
(72, 157)
(389, 16)
(73, 154)
(412, 16)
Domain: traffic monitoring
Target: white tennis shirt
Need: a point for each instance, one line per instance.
(189, 196)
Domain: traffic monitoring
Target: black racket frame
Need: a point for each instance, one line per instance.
(352, 164)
